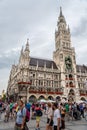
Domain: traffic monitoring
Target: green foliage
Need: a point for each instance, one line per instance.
(4, 97)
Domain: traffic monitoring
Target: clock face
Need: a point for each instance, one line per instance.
(68, 63)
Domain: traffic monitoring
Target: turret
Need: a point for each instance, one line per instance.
(26, 54)
(61, 21)
(62, 34)
(27, 51)
(21, 59)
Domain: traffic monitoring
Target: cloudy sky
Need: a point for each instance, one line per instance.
(37, 20)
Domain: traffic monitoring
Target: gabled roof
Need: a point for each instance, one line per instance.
(81, 68)
(42, 63)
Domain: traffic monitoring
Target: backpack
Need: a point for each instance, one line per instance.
(28, 106)
(27, 114)
(39, 113)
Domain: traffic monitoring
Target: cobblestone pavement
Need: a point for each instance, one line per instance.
(70, 125)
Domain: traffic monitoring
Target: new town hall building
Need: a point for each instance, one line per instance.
(59, 78)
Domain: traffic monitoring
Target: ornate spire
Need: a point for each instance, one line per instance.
(27, 45)
(61, 12)
(27, 41)
(68, 29)
(61, 18)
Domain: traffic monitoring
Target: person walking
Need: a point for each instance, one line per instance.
(56, 117)
(33, 111)
(62, 111)
(67, 111)
(81, 109)
(11, 109)
(49, 117)
(7, 112)
(38, 115)
(0, 108)
(20, 123)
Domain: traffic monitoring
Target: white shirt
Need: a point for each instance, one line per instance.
(49, 113)
(56, 116)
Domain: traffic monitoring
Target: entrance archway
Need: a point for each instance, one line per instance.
(32, 99)
(58, 98)
(41, 97)
(50, 98)
(83, 99)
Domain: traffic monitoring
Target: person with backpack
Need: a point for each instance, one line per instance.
(28, 106)
(38, 115)
(20, 123)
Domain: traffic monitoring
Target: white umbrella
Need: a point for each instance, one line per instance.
(79, 101)
(42, 101)
(50, 101)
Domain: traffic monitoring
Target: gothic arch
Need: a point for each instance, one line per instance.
(32, 98)
(41, 97)
(83, 99)
(58, 98)
(50, 97)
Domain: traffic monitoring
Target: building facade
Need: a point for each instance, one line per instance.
(37, 78)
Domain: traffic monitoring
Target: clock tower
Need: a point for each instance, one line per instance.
(64, 57)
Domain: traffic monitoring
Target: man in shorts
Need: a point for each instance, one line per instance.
(56, 117)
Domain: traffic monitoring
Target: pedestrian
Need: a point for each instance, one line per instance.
(33, 111)
(38, 115)
(62, 111)
(20, 123)
(81, 109)
(11, 109)
(49, 117)
(67, 111)
(0, 108)
(56, 117)
(7, 113)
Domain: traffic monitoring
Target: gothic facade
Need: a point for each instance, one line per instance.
(59, 78)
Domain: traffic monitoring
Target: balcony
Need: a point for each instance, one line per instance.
(72, 86)
(83, 92)
(70, 78)
(51, 91)
(24, 83)
(66, 78)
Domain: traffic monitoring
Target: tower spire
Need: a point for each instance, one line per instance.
(61, 11)
(27, 45)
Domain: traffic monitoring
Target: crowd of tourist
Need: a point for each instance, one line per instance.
(57, 113)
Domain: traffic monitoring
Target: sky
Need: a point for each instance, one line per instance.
(37, 20)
